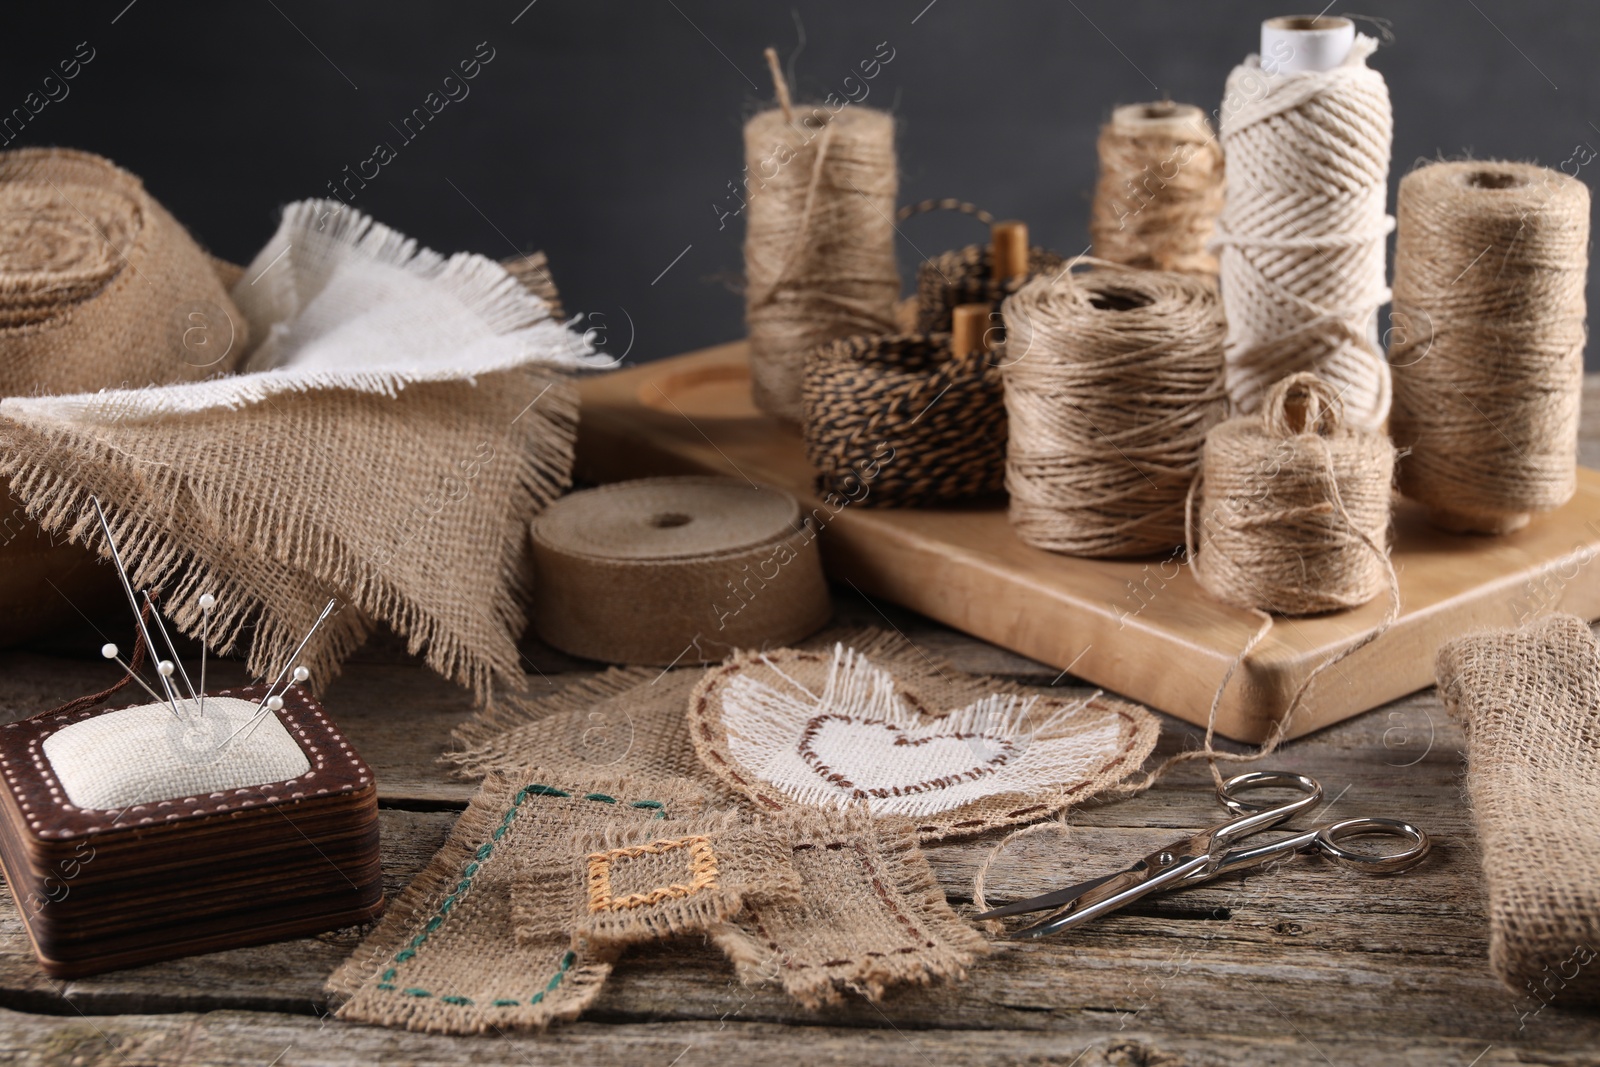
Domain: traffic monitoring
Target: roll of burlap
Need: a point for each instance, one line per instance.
(1160, 188)
(1302, 231)
(675, 570)
(819, 244)
(1528, 699)
(1489, 272)
(1090, 473)
(1293, 508)
(99, 286)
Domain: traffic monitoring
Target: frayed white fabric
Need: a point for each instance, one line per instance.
(352, 305)
(859, 741)
(145, 754)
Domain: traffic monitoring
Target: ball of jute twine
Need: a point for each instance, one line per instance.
(1487, 340)
(1303, 417)
(1302, 232)
(1293, 509)
(1160, 188)
(1112, 379)
(819, 241)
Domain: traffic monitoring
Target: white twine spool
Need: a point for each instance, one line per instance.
(1302, 233)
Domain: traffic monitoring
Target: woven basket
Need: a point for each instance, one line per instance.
(896, 421)
(966, 276)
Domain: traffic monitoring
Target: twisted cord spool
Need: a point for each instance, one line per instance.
(819, 243)
(1160, 188)
(1490, 267)
(903, 420)
(1089, 472)
(1302, 232)
(1295, 505)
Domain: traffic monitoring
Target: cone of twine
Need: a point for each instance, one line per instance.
(1488, 335)
(1160, 188)
(1302, 231)
(1089, 473)
(819, 243)
(1293, 510)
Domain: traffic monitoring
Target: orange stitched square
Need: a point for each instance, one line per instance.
(702, 873)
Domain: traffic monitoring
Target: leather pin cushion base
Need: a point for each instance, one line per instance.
(104, 889)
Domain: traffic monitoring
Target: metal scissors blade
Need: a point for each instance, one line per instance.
(1046, 901)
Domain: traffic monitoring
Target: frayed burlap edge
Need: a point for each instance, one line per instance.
(770, 944)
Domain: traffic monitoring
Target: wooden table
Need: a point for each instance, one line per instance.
(1302, 965)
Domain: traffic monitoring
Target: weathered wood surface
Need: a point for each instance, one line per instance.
(1302, 964)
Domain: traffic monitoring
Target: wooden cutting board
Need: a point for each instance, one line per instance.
(1141, 628)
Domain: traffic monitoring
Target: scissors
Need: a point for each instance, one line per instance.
(1215, 852)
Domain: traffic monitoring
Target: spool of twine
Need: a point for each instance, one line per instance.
(819, 243)
(1293, 509)
(675, 570)
(1487, 340)
(1090, 471)
(1160, 188)
(1303, 228)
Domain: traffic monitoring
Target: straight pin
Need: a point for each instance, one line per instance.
(133, 602)
(250, 722)
(109, 651)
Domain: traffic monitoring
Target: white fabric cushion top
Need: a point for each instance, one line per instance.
(145, 754)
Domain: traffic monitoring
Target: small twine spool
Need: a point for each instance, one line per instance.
(1294, 505)
(1112, 379)
(1487, 340)
(819, 241)
(1160, 189)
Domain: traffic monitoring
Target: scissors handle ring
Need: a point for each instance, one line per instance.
(1329, 840)
(1242, 783)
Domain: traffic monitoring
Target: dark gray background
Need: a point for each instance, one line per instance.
(606, 132)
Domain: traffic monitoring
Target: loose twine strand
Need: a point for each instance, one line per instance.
(1090, 473)
(819, 243)
(1301, 407)
(1488, 337)
(1303, 228)
(1160, 188)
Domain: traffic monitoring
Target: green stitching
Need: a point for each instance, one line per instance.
(484, 851)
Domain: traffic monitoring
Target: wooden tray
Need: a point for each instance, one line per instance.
(1142, 628)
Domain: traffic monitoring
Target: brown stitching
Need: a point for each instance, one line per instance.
(814, 761)
(883, 894)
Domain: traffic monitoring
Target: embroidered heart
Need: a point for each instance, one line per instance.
(853, 753)
(792, 726)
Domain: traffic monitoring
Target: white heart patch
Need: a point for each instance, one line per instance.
(793, 726)
(852, 753)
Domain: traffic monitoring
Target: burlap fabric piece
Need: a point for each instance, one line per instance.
(957, 755)
(403, 419)
(449, 957)
(1530, 701)
(626, 883)
(99, 286)
(625, 721)
(872, 915)
(676, 570)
